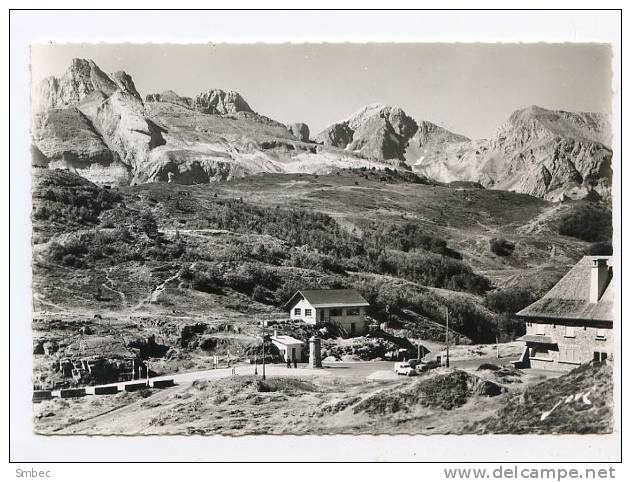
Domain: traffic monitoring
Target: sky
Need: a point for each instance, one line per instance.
(470, 89)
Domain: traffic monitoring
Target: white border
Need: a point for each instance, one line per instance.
(294, 26)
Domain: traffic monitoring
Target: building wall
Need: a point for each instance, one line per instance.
(303, 305)
(285, 350)
(323, 315)
(576, 343)
(344, 320)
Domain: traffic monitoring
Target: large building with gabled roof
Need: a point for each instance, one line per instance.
(573, 323)
(343, 307)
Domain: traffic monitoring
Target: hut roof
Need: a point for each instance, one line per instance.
(569, 298)
(287, 340)
(329, 298)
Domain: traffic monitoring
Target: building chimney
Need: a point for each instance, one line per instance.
(599, 278)
(275, 333)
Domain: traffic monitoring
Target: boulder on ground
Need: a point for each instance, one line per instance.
(488, 388)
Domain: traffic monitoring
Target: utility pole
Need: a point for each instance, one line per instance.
(263, 350)
(256, 366)
(447, 336)
(497, 345)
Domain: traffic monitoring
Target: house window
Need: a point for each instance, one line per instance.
(569, 332)
(600, 334)
(600, 356)
(307, 311)
(540, 329)
(336, 312)
(352, 312)
(297, 311)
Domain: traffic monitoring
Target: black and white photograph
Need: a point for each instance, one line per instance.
(322, 238)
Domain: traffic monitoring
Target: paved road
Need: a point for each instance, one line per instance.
(381, 370)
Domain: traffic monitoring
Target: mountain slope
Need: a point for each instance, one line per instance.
(544, 153)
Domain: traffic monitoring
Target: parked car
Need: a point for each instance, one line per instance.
(404, 368)
(430, 365)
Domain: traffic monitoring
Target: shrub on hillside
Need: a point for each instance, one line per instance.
(316, 261)
(601, 248)
(427, 269)
(508, 300)
(406, 237)
(588, 222)
(501, 246)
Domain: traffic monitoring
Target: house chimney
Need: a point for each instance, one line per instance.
(598, 281)
(275, 333)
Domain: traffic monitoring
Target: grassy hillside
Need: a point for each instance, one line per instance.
(579, 402)
(158, 258)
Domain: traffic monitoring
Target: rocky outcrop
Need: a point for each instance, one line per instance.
(376, 132)
(219, 102)
(125, 83)
(68, 135)
(300, 131)
(38, 159)
(67, 139)
(122, 122)
(170, 96)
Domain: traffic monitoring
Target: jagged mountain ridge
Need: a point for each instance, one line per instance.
(98, 125)
(541, 152)
(215, 135)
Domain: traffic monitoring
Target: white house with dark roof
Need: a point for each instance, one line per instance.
(343, 307)
(573, 323)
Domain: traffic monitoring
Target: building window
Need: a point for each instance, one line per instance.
(600, 334)
(336, 312)
(569, 332)
(307, 311)
(352, 312)
(297, 311)
(600, 356)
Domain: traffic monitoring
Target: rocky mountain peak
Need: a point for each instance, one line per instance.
(220, 102)
(376, 131)
(81, 79)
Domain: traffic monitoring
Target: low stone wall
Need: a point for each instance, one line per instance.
(161, 383)
(107, 390)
